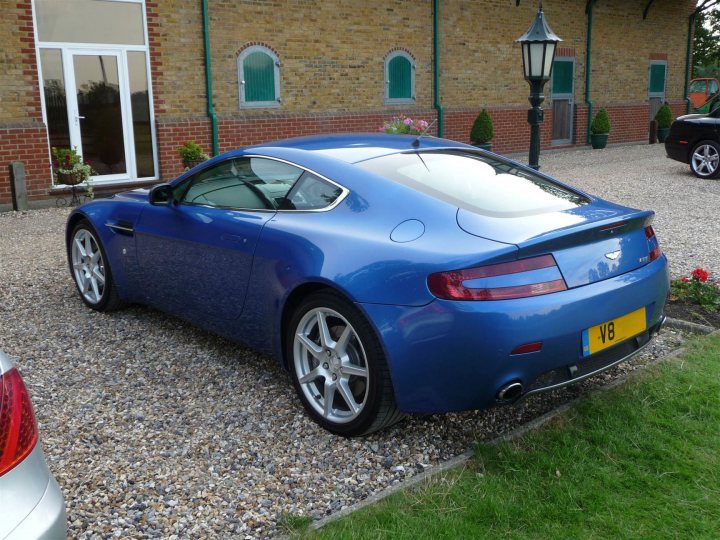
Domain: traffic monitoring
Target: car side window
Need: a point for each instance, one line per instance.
(242, 183)
(311, 193)
(713, 88)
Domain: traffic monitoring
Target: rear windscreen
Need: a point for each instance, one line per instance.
(476, 183)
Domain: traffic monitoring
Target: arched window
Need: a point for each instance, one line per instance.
(399, 78)
(259, 75)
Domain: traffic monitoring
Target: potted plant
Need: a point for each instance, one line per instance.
(482, 131)
(600, 129)
(68, 167)
(191, 154)
(664, 119)
(402, 125)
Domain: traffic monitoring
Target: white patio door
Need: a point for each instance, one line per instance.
(99, 110)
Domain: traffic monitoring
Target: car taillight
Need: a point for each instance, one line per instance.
(528, 277)
(653, 244)
(18, 428)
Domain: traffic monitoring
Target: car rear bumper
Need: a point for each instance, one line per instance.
(31, 503)
(450, 356)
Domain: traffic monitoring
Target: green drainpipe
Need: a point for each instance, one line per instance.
(588, 52)
(208, 78)
(436, 49)
(688, 59)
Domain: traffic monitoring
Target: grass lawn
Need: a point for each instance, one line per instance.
(639, 461)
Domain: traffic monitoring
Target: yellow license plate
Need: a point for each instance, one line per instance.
(612, 332)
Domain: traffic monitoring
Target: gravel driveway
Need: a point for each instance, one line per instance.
(154, 428)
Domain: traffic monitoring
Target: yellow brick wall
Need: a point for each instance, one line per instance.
(180, 80)
(16, 86)
(481, 65)
(331, 52)
(623, 41)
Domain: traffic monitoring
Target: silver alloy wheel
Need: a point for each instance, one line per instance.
(331, 365)
(705, 159)
(88, 266)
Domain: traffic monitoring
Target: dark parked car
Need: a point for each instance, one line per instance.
(695, 139)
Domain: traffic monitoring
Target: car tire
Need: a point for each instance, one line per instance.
(90, 269)
(705, 159)
(338, 367)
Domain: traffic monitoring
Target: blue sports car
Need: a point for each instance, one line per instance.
(387, 274)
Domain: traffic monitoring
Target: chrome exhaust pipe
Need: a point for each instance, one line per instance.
(510, 392)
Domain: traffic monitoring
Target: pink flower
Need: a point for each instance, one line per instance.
(408, 122)
(700, 275)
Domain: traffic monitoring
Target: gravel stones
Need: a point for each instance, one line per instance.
(154, 428)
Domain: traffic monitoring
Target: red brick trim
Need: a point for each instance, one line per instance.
(256, 43)
(565, 52)
(658, 56)
(402, 49)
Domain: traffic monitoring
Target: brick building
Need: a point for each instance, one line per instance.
(139, 74)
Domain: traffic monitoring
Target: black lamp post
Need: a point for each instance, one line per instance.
(538, 52)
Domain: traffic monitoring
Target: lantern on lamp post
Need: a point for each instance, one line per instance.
(538, 52)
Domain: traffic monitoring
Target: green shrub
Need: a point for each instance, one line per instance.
(664, 117)
(482, 128)
(191, 151)
(601, 122)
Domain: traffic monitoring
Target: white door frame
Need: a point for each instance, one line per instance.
(126, 104)
(74, 119)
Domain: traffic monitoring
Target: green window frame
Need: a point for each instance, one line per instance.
(399, 78)
(657, 79)
(259, 77)
(563, 76)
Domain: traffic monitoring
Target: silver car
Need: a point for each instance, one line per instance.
(31, 503)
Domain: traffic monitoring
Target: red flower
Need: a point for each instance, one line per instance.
(685, 280)
(700, 275)
(56, 164)
(67, 161)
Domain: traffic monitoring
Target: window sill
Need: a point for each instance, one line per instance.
(400, 101)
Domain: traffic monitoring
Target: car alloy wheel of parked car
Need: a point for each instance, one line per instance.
(339, 368)
(89, 269)
(705, 159)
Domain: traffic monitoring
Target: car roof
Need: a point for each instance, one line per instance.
(356, 147)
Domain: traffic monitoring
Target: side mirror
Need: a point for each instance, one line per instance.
(161, 195)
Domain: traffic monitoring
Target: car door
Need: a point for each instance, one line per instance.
(195, 255)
